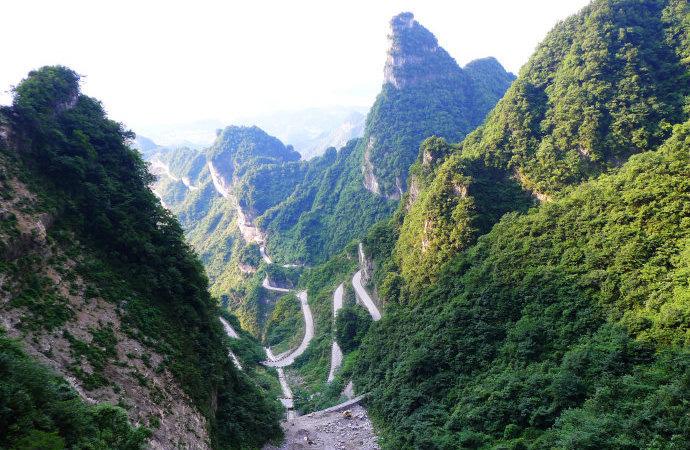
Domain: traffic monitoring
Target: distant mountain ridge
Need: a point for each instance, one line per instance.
(310, 131)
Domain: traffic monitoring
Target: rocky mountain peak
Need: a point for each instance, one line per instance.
(414, 55)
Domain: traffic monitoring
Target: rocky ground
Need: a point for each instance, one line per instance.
(348, 428)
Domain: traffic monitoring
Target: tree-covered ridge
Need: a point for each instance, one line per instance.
(449, 206)
(604, 84)
(236, 149)
(567, 327)
(327, 209)
(265, 186)
(425, 93)
(128, 248)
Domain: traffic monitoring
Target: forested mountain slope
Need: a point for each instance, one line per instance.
(216, 193)
(99, 288)
(567, 327)
(563, 324)
(603, 85)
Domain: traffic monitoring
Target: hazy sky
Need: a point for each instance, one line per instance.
(167, 62)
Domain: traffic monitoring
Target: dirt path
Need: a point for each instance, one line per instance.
(308, 335)
(336, 353)
(364, 297)
(332, 428)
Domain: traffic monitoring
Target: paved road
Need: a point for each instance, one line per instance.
(364, 297)
(336, 353)
(308, 335)
(218, 182)
(287, 399)
(267, 285)
(264, 255)
(230, 331)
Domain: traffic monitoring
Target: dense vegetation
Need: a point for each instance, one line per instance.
(351, 325)
(326, 211)
(603, 85)
(565, 326)
(285, 325)
(238, 149)
(95, 188)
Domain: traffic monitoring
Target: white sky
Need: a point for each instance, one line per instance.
(166, 62)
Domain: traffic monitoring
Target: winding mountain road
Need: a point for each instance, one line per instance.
(364, 297)
(308, 336)
(336, 352)
(217, 181)
(287, 399)
(266, 258)
(230, 331)
(267, 285)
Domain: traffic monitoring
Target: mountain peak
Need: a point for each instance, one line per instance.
(414, 55)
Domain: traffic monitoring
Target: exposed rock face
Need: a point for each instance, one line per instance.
(365, 264)
(425, 93)
(414, 56)
(412, 193)
(370, 182)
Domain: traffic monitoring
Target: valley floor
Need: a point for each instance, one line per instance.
(346, 426)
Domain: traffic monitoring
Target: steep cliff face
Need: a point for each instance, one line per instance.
(79, 335)
(414, 56)
(425, 93)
